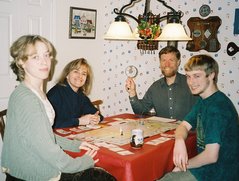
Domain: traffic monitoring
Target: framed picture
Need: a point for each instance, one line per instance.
(82, 23)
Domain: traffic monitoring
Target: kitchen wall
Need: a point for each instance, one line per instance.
(110, 58)
(70, 49)
(117, 55)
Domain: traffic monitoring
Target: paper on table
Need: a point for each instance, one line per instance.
(118, 122)
(118, 119)
(111, 147)
(61, 131)
(77, 130)
(116, 149)
(126, 152)
(161, 119)
(93, 126)
(157, 141)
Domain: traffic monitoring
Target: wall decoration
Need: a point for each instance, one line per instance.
(82, 23)
(117, 56)
(204, 10)
(232, 49)
(204, 34)
(236, 23)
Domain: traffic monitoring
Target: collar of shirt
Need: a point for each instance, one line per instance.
(177, 80)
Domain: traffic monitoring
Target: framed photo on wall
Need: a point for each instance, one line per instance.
(82, 23)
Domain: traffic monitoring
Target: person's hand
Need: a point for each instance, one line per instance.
(91, 150)
(180, 155)
(87, 146)
(130, 87)
(95, 119)
(89, 119)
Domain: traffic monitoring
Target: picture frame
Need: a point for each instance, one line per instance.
(82, 23)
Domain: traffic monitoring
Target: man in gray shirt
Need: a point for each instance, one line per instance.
(169, 96)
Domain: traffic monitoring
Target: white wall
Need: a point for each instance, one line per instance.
(118, 55)
(110, 58)
(70, 49)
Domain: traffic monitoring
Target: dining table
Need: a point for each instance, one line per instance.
(116, 154)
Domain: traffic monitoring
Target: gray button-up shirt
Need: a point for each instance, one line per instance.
(173, 101)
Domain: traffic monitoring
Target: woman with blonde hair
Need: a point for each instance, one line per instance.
(69, 96)
(31, 151)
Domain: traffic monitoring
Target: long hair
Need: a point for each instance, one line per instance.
(19, 51)
(74, 65)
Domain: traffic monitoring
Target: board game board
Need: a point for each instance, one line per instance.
(119, 132)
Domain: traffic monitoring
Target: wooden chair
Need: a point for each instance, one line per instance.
(97, 103)
(2, 123)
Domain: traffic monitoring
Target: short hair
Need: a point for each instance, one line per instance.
(75, 65)
(19, 51)
(203, 62)
(170, 49)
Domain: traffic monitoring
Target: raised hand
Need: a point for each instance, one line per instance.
(130, 87)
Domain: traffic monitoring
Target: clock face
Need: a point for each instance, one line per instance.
(204, 10)
(131, 71)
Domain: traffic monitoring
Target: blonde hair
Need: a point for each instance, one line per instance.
(74, 65)
(205, 63)
(19, 51)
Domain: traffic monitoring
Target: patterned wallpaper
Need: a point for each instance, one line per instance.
(120, 54)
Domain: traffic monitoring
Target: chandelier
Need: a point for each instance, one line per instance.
(148, 31)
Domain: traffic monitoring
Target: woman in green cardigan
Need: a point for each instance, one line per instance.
(31, 151)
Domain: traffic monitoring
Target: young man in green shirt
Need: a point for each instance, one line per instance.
(215, 120)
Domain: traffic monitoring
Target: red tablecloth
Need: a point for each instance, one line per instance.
(146, 164)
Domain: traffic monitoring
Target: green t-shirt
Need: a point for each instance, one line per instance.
(216, 121)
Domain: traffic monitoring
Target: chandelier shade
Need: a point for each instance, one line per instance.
(119, 30)
(148, 32)
(173, 32)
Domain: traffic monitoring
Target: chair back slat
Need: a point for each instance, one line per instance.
(97, 103)
(2, 122)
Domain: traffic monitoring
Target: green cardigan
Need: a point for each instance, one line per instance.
(30, 151)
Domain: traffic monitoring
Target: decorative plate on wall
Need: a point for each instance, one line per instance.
(204, 10)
